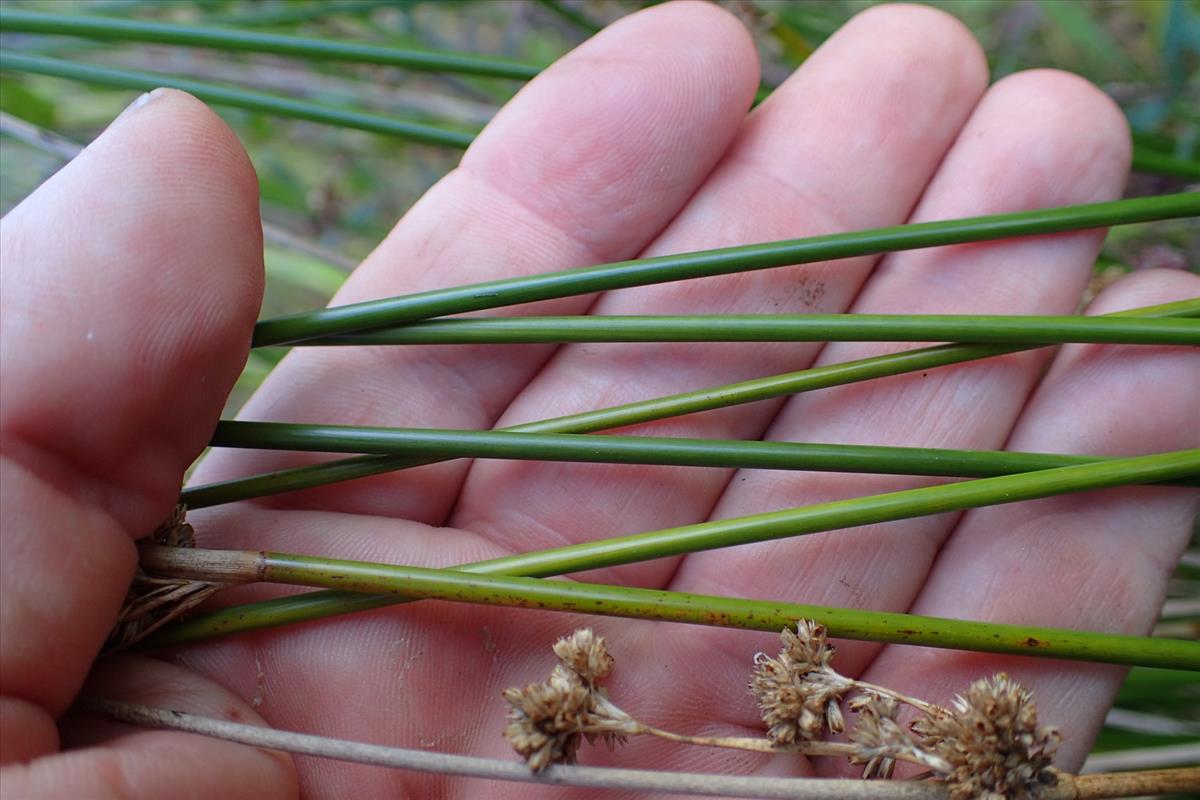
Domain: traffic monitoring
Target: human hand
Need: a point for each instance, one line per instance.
(131, 281)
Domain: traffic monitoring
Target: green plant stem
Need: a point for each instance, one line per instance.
(133, 30)
(239, 98)
(443, 444)
(741, 530)
(662, 269)
(402, 583)
(1158, 163)
(576, 18)
(790, 383)
(782, 328)
(292, 13)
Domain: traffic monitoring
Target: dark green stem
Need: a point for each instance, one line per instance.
(572, 16)
(790, 383)
(400, 583)
(238, 98)
(134, 30)
(781, 328)
(444, 444)
(1184, 464)
(663, 269)
(1156, 163)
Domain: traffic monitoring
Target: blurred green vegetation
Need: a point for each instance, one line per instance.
(339, 191)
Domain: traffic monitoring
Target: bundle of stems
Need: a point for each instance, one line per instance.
(639, 412)
(906, 504)
(519, 580)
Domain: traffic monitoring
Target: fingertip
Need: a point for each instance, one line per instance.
(719, 37)
(1146, 288)
(1057, 106)
(925, 33)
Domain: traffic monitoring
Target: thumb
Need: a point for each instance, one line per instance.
(129, 288)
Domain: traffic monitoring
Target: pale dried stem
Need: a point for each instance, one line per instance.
(628, 780)
(915, 702)
(1127, 784)
(754, 744)
(1088, 787)
(214, 566)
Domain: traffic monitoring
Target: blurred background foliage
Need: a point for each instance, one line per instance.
(329, 194)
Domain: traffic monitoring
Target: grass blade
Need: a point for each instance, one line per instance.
(663, 269)
(238, 98)
(782, 328)
(444, 444)
(855, 512)
(133, 30)
(790, 383)
(416, 583)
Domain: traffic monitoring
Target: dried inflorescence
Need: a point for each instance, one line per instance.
(988, 745)
(992, 743)
(585, 654)
(547, 720)
(878, 734)
(798, 692)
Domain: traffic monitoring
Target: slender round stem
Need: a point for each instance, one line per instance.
(442, 444)
(1146, 159)
(643, 411)
(627, 780)
(402, 583)
(781, 328)
(741, 530)
(662, 269)
(238, 98)
(755, 744)
(1131, 784)
(134, 30)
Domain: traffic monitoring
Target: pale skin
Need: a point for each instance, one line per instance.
(132, 278)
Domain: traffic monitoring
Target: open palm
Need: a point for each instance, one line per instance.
(132, 278)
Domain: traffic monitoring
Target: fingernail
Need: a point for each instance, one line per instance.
(141, 101)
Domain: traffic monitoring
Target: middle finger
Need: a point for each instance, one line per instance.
(848, 142)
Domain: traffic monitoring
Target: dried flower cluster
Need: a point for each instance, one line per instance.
(992, 743)
(798, 692)
(878, 734)
(988, 746)
(547, 720)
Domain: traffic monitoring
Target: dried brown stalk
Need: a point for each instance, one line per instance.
(153, 601)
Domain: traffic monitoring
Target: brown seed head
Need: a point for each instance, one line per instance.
(585, 653)
(992, 742)
(547, 720)
(798, 692)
